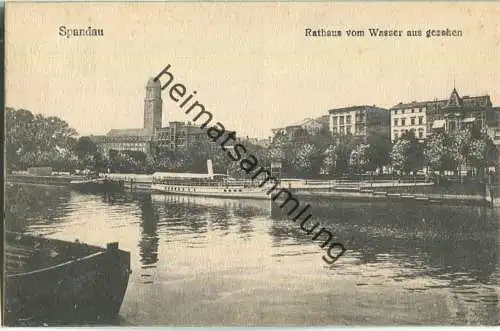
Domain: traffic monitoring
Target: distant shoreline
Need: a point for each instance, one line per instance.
(361, 194)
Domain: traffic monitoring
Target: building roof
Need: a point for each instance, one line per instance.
(454, 101)
(129, 132)
(353, 108)
(305, 122)
(479, 101)
(412, 104)
(153, 83)
(325, 119)
(97, 138)
(320, 121)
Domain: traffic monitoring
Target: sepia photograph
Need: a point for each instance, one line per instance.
(251, 164)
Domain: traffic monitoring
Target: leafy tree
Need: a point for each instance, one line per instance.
(278, 149)
(328, 164)
(138, 156)
(343, 148)
(407, 153)
(378, 152)
(304, 161)
(441, 152)
(169, 161)
(359, 158)
(84, 147)
(35, 140)
(453, 150)
(482, 152)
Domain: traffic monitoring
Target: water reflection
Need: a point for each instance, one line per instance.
(196, 215)
(447, 239)
(28, 205)
(456, 246)
(229, 246)
(149, 236)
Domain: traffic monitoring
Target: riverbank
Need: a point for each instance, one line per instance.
(58, 180)
(466, 193)
(369, 195)
(424, 193)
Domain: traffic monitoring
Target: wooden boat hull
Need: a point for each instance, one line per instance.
(87, 289)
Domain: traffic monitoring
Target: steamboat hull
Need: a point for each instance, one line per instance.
(214, 192)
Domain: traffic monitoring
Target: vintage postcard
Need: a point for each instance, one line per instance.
(251, 163)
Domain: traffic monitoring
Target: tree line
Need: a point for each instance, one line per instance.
(34, 140)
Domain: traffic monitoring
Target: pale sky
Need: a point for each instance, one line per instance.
(250, 63)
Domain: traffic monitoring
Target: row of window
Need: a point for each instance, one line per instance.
(192, 189)
(420, 133)
(342, 129)
(412, 110)
(126, 145)
(413, 121)
(342, 119)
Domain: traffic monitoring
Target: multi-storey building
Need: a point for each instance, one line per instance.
(179, 135)
(265, 142)
(137, 140)
(410, 117)
(324, 121)
(426, 117)
(307, 126)
(493, 125)
(299, 132)
(460, 112)
(359, 121)
(153, 137)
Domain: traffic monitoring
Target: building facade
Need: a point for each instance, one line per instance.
(427, 117)
(409, 117)
(265, 142)
(360, 121)
(153, 137)
(179, 135)
(493, 125)
(137, 139)
(307, 126)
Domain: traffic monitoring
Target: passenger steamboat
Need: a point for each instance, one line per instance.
(206, 185)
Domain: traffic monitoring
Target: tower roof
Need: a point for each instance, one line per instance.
(454, 100)
(153, 83)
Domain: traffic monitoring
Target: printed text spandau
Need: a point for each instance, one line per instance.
(89, 31)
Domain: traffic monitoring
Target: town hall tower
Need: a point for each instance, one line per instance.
(153, 106)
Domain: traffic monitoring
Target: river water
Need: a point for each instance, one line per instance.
(203, 261)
